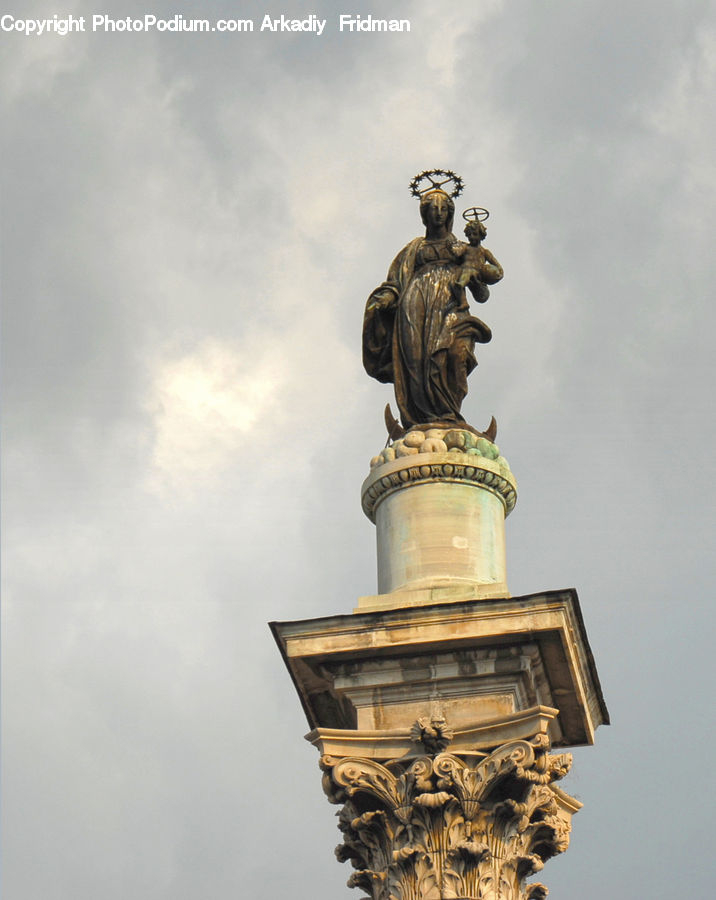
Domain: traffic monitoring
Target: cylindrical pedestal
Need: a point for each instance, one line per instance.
(439, 533)
(440, 520)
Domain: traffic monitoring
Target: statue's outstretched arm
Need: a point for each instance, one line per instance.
(383, 297)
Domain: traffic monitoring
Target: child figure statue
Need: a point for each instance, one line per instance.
(478, 264)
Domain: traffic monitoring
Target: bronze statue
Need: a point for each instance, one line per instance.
(417, 331)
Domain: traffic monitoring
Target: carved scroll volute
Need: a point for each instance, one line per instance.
(356, 774)
(471, 784)
(515, 756)
(397, 793)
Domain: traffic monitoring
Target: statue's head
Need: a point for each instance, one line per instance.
(437, 207)
(475, 231)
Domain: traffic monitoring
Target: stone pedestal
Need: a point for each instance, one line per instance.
(440, 519)
(435, 705)
(495, 670)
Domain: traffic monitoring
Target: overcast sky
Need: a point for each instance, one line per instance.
(191, 225)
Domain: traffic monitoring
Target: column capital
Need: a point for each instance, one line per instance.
(452, 825)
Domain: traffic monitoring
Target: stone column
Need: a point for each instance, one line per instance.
(435, 705)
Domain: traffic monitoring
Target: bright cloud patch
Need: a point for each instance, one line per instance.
(204, 403)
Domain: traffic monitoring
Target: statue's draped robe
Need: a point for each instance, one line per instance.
(423, 341)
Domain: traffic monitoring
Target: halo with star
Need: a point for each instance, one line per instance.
(436, 178)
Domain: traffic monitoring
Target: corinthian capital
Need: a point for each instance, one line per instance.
(448, 825)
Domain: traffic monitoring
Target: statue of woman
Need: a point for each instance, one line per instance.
(417, 330)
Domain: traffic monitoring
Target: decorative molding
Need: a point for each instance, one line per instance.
(456, 468)
(428, 439)
(483, 735)
(471, 826)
